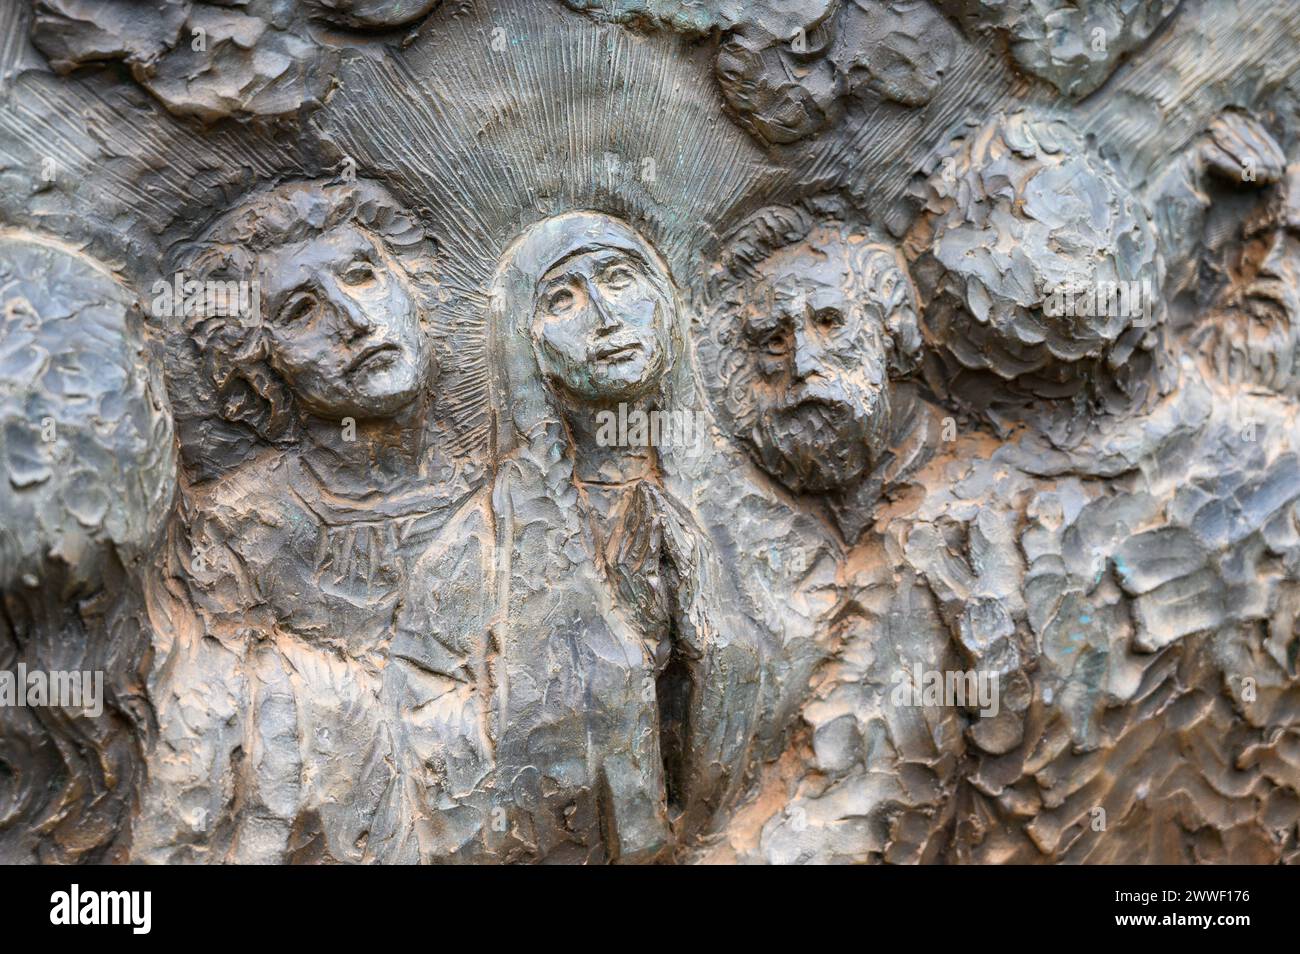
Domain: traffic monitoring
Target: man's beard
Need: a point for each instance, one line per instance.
(820, 437)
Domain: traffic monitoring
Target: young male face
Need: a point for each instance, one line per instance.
(344, 324)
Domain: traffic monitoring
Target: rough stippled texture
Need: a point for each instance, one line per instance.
(1072, 44)
(86, 444)
(554, 431)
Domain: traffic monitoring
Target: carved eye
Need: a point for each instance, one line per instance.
(828, 317)
(559, 301)
(618, 277)
(358, 273)
(296, 310)
(774, 344)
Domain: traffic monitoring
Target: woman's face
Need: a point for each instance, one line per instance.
(600, 326)
(344, 326)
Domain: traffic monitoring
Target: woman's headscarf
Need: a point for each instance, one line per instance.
(553, 599)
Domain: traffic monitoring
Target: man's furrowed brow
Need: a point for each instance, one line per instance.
(761, 322)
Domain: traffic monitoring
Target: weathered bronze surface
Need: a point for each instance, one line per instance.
(634, 431)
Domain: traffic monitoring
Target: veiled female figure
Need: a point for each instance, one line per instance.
(582, 611)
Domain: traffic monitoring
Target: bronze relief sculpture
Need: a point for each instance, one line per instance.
(546, 431)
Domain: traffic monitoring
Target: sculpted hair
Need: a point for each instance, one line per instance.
(231, 398)
(878, 283)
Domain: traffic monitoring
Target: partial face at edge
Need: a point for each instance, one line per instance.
(600, 326)
(344, 325)
(1271, 262)
(1255, 332)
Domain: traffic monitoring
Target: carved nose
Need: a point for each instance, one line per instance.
(606, 321)
(1275, 264)
(807, 357)
(355, 318)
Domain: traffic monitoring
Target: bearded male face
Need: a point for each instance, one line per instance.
(817, 414)
(1253, 336)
